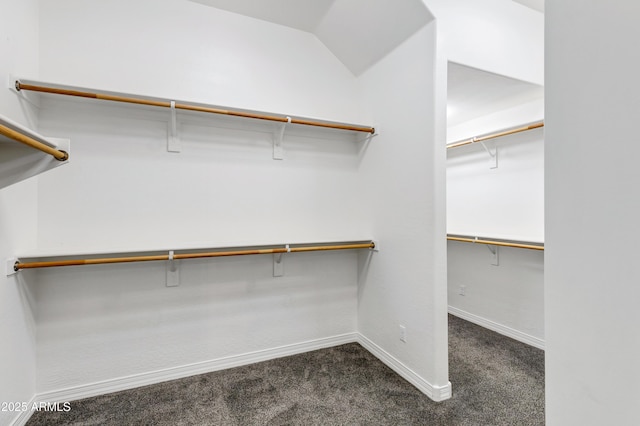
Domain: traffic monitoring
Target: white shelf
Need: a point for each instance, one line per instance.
(40, 88)
(502, 237)
(34, 255)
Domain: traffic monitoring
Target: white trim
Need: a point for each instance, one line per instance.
(22, 418)
(144, 379)
(436, 393)
(498, 328)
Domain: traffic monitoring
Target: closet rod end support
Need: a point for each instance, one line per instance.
(375, 245)
(12, 266)
(18, 86)
(63, 158)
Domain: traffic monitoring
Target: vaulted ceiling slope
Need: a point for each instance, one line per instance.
(358, 32)
(533, 4)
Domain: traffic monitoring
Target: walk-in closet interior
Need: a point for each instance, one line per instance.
(495, 202)
(226, 196)
(189, 186)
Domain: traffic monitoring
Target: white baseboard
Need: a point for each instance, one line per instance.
(498, 328)
(436, 393)
(24, 416)
(153, 377)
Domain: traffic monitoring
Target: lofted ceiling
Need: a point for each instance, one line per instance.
(304, 15)
(472, 93)
(358, 32)
(533, 4)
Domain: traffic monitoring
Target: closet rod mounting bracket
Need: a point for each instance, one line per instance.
(494, 256)
(172, 271)
(278, 262)
(493, 156)
(278, 136)
(11, 266)
(173, 140)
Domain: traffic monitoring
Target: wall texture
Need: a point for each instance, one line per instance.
(592, 210)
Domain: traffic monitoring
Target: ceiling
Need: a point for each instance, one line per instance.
(358, 32)
(473, 93)
(533, 4)
(304, 15)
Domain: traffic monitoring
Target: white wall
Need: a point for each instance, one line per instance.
(18, 216)
(403, 180)
(500, 36)
(186, 51)
(505, 203)
(124, 190)
(505, 38)
(508, 298)
(592, 210)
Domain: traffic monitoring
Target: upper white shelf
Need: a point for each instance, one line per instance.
(19, 161)
(34, 254)
(81, 92)
(497, 134)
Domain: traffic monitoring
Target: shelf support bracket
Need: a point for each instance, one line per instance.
(493, 156)
(173, 140)
(11, 266)
(278, 263)
(278, 136)
(173, 271)
(494, 256)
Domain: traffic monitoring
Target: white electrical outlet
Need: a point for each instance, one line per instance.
(462, 290)
(403, 333)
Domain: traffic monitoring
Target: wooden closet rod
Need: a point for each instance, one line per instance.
(27, 140)
(167, 104)
(496, 243)
(495, 135)
(274, 250)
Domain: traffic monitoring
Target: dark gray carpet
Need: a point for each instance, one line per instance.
(496, 381)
